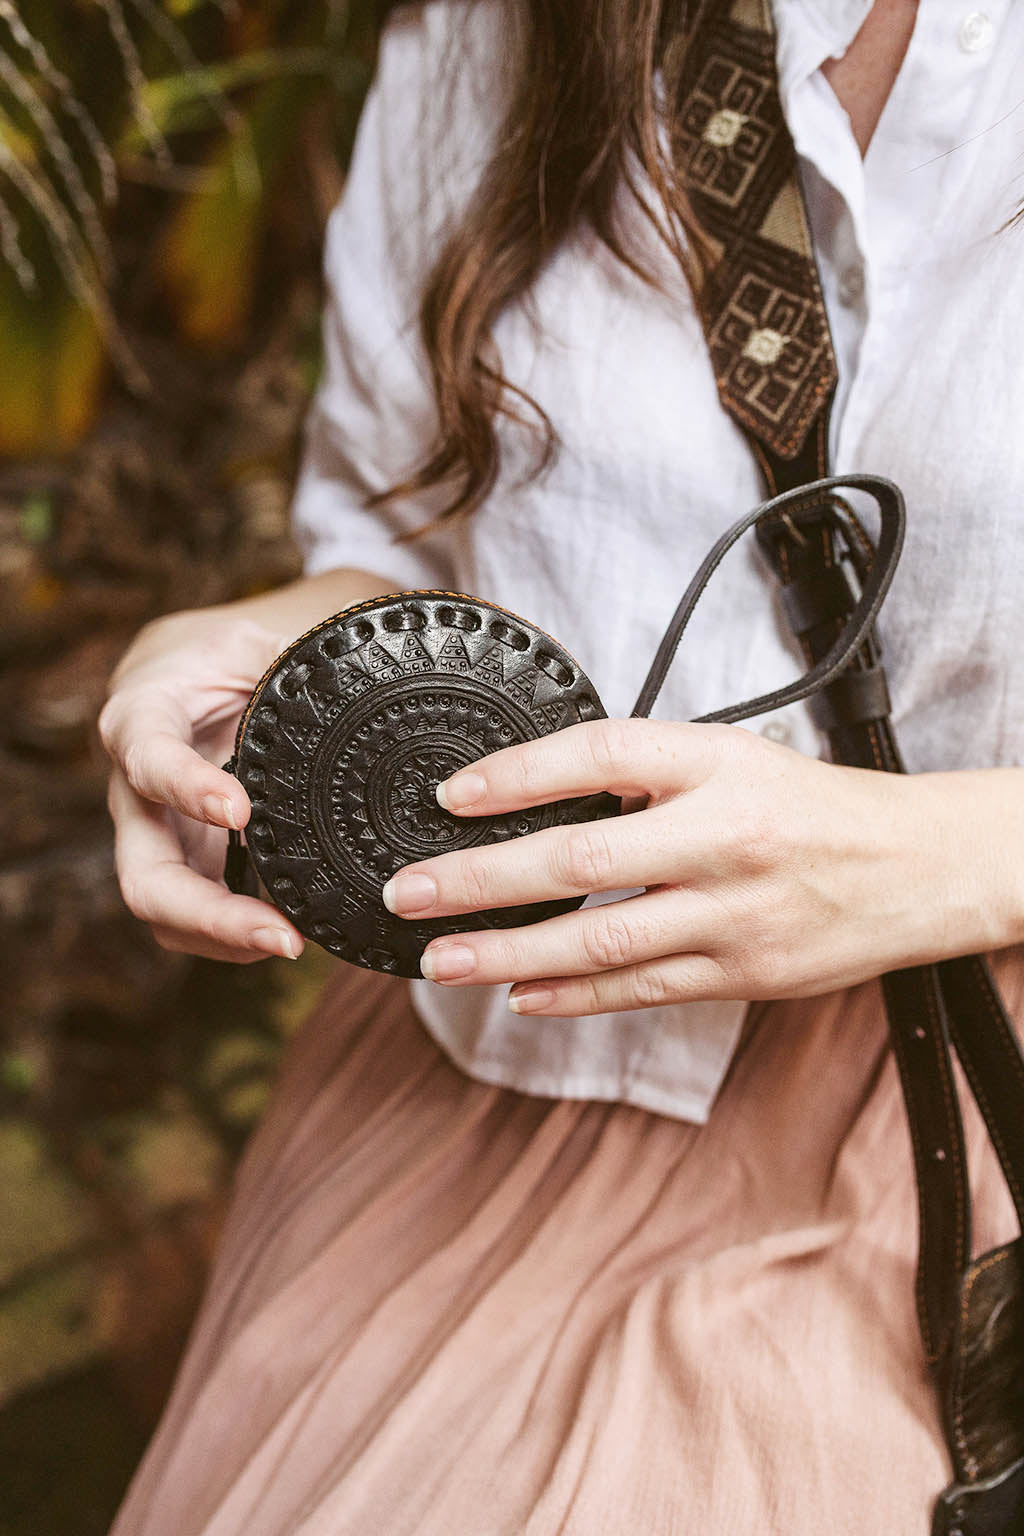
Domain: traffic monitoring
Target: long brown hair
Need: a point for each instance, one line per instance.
(583, 122)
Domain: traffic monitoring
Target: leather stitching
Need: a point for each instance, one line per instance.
(931, 1347)
(997, 1015)
(999, 1023)
(952, 1113)
(876, 748)
(935, 1345)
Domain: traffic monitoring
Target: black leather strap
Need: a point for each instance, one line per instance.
(927, 1008)
(920, 1040)
(990, 1054)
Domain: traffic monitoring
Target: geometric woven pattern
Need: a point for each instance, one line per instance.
(760, 299)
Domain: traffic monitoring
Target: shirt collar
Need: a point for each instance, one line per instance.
(811, 31)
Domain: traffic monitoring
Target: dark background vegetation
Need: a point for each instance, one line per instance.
(166, 168)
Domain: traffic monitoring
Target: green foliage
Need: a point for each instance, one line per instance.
(163, 139)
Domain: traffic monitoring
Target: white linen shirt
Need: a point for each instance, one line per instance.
(925, 289)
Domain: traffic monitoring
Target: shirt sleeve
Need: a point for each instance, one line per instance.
(373, 418)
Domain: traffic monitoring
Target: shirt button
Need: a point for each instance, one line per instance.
(776, 730)
(975, 32)
(851, 285)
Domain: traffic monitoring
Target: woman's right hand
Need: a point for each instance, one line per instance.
(169, 721)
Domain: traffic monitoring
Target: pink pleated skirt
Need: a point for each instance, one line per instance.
(450, 1309)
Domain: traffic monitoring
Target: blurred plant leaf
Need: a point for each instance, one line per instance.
(185, 101)
(36, 518)
(19, 142)
(104, 96)
(55, 362)
(209, 253)
(18, 1072)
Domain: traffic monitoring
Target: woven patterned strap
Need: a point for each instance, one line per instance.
(760, 296)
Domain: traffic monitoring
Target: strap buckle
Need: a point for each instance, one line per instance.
(786, 519)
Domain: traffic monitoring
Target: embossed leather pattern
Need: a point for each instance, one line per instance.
(348, 735)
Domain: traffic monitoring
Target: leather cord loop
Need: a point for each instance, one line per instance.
(805, 504)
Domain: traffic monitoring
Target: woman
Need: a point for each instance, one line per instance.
(633, 1254)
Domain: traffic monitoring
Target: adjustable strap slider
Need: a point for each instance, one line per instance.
(852, 699)
(817, 598)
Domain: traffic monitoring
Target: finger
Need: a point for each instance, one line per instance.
(147, 741)
(160, 888)
(625, 757)
(618, 854)
(654, 984)
(594, 939)
(178, 943)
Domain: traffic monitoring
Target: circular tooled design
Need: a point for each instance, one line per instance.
(378, 769)
(402, 793)
(351, 733)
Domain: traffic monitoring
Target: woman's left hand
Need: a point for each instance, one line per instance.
(766, 873)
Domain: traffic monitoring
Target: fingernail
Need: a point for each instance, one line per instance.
(530, 1002)
(218, 809)
(460, 790)
(275, 941)
(406, 894)
(449, 962)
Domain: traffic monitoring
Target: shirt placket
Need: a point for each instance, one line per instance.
(872, 218)
(831, 170)
(903, 204)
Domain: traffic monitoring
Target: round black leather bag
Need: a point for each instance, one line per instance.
(347, 737)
